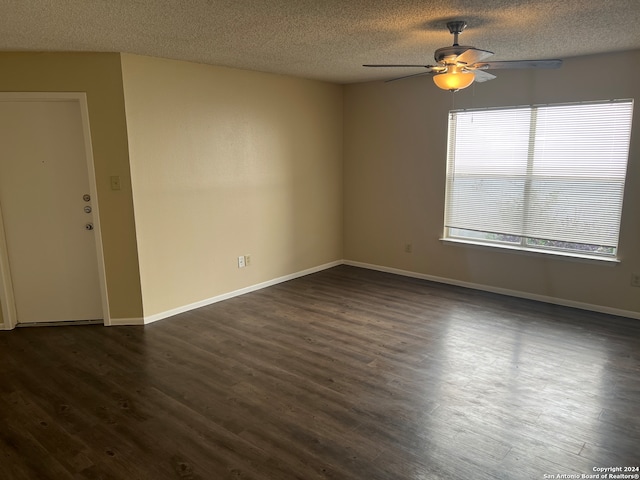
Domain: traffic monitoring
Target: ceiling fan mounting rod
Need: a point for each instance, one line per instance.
(456, 28)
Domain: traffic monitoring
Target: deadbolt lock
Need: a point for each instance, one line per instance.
(86, 197)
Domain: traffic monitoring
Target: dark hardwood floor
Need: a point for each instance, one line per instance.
(343, 374)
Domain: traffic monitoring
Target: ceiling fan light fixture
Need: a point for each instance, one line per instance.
(454, 80)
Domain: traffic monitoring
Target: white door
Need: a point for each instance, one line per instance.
(51, 253)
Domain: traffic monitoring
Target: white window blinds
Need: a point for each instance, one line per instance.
(553, 172)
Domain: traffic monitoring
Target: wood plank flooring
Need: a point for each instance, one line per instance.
(343, 374)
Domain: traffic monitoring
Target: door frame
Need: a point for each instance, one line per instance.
(7, 299)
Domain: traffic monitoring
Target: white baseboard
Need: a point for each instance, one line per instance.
(235, 293)
(125, 321)
(501, 291)
(476, 286)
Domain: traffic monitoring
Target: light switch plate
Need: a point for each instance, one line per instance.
(115, 182)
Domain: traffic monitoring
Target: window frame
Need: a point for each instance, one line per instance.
(523, 244)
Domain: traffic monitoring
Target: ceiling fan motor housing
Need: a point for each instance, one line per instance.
(441, 54)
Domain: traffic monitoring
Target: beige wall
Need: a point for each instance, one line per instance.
(99, 75)
(225, 163)
(395, 151)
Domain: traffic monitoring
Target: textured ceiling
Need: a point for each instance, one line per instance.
(320, 39)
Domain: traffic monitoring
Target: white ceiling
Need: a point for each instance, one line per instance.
(320, 39)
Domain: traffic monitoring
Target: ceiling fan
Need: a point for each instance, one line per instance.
(458, 66)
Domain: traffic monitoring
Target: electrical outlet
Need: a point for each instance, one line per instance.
(247, 260)
(241, 261)
(635, 279)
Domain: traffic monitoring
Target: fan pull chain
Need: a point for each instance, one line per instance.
(473, 95)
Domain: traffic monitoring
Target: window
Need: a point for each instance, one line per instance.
(547, 177)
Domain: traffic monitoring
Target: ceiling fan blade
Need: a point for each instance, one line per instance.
(409, 76)
(473, 55)
(518, 64)
(482, 76)
(415, 66)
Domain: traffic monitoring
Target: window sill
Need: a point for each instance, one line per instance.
(611, 261)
